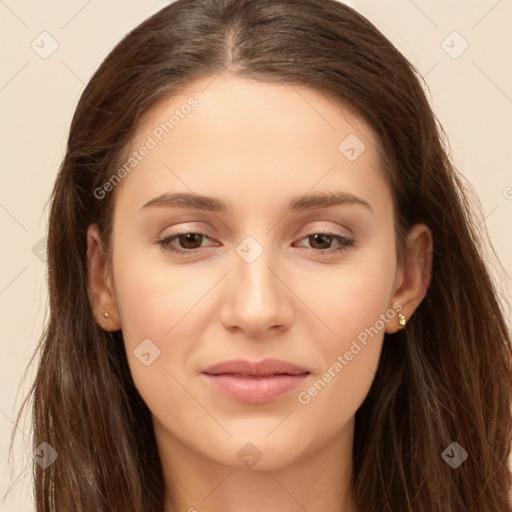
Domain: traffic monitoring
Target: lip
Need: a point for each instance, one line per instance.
(255, 382)
(265, 367)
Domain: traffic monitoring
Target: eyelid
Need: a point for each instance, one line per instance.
(323, 230)
(310, 231)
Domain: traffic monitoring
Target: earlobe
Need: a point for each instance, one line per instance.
(100, 288)
(415, 275)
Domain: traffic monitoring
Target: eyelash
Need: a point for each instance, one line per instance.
(344, 242)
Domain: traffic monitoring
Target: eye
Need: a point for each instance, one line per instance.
(191, 242)
(323, 241)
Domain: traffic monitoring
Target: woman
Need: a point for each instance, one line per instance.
(265, 286)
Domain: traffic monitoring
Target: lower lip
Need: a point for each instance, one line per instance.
(255, 390)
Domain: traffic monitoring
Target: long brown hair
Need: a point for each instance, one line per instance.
(446, 378)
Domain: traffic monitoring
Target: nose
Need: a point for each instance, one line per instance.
(257, 299)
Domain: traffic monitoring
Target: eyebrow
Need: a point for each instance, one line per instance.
(297, 203)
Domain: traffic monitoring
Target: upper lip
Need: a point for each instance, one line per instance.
(259, 368)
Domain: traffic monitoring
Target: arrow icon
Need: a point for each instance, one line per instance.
(351, 147)
(44, 455)
(249, 455)
(249, 253)
(147, 352)
(454, 455)
(45, 45)
(454, 45)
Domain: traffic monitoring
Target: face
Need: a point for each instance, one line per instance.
(265, 268)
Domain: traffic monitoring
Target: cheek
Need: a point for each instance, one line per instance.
(352, 297)
(152, 299)
(152, 305)
(163, 304)
(357, 309)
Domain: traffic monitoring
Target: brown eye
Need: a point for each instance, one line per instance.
(188, 243)
(320, 240)
(184, 243)
(322, 243)
(190, 240)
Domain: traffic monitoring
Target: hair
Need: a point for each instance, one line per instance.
(447, 377)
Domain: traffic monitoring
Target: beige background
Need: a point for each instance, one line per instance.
(471, 94)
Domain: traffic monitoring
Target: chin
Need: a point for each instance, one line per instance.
(256, 452)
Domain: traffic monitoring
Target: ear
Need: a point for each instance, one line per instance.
(100, 282)
(413, 277)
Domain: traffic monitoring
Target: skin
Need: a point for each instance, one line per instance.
(254, 146)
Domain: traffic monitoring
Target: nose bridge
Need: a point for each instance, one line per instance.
(257, 299)
(256, 282)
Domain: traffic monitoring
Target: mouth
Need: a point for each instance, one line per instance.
(255, 383)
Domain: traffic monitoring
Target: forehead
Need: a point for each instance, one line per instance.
(227, 134)
(234, 101)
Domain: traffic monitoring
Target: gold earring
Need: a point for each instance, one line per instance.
(106, 317)
(402, 321)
